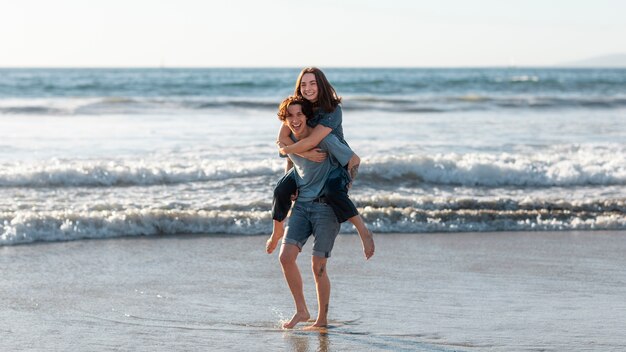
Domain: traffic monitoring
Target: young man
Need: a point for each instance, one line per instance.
(313, 86)
(310, 214)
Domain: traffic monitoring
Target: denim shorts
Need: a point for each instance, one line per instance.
(312, 218)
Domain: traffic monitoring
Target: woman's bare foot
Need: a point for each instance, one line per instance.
(297, 318)
(367, 238)
(367, 241)
(316, 326)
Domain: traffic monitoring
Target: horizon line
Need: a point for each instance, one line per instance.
(320, 66)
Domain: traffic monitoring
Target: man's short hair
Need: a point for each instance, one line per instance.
(307, 107)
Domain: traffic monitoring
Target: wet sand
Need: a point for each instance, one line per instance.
(551, 291)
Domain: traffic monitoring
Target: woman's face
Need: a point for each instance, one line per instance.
(308, 87)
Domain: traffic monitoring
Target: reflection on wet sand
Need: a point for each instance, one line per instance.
(305, 341)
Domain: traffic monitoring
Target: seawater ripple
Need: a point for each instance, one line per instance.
(398, 104)
(263, 82)
(44, 92)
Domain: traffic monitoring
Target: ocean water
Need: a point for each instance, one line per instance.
(98, 153)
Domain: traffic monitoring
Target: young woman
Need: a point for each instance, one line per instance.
(313, 86)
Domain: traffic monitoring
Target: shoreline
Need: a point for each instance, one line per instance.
(463, 291)
(191, 236)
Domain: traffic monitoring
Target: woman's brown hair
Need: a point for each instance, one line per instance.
(327, 97)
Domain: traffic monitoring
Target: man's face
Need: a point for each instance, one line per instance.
(296, 120)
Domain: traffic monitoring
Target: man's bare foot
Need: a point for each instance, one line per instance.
(316, 326)
(368, 244)
(297, 318)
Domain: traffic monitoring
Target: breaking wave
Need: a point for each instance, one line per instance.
(386, 216)
(562, 166)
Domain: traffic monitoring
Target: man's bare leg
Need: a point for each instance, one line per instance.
(367, 238)
(288, 255)
(278, 230)
(322, 286)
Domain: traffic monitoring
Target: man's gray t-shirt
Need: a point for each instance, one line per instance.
(311, 176)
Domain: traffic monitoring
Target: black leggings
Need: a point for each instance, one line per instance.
(335, 194)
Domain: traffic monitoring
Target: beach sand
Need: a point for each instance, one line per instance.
(556, 291)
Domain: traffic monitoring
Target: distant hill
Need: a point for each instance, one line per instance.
(612, 60)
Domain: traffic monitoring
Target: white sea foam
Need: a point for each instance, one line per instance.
(435, 215)
(563, 166)
(411, 220)
(29, 226)
(94, 173)
(496, 204)
(524, 78)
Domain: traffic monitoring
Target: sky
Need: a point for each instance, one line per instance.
(290, 33)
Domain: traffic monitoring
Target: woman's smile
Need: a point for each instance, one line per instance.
(308, 87)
